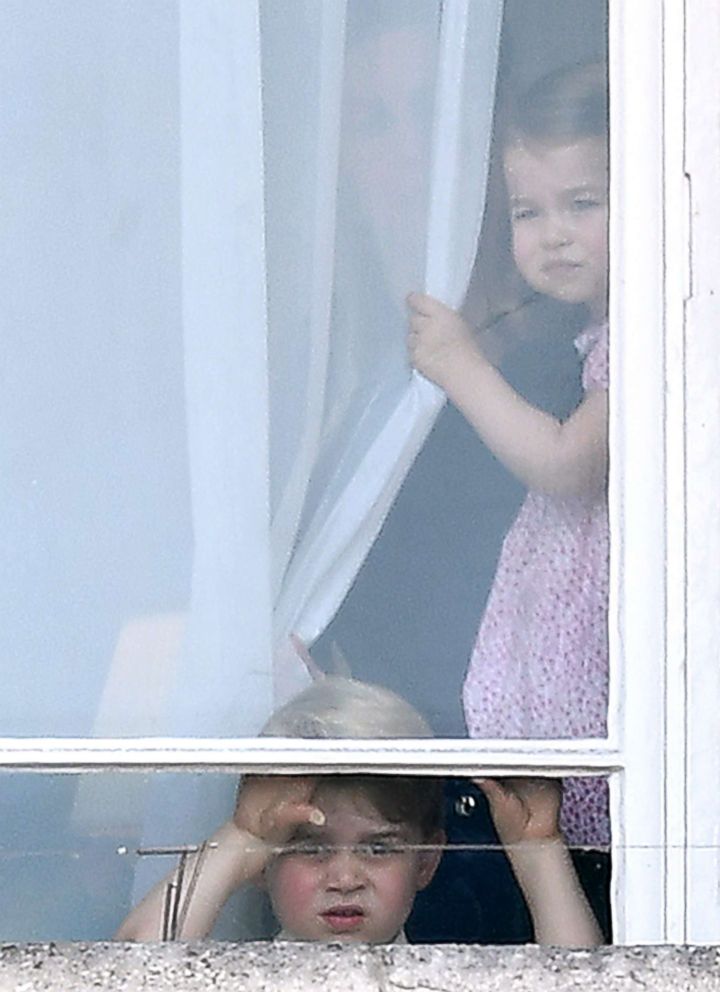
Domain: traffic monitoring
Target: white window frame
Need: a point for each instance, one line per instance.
(702, 474)
(665, 588)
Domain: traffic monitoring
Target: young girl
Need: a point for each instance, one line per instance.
(539, 665)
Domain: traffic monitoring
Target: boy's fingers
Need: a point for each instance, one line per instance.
(259, 794)
(281, 820)
(299, 786)
(491, 788)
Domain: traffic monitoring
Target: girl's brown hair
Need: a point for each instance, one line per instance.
(566, 105)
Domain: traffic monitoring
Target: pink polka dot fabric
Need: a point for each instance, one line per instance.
(539, 667)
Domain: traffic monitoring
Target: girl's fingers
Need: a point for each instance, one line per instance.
(418, 320)
(415, 301)
(423, 304)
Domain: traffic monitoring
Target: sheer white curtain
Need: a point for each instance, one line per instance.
(390, 167)
(207, 389)
(206, 403)
(369, 160)
(376, 123)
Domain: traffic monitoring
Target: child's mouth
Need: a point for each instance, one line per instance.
(342, 919)
(561, 265)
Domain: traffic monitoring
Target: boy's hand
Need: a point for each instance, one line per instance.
(439, 340)
(524, 810)
(271, 807)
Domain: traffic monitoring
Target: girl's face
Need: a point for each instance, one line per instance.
(559, 218)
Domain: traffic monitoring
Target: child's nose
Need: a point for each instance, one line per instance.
(345, 871)
(556, 230)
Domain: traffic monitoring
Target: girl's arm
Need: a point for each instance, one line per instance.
(563, 458)
(526, 816)
(268, 810)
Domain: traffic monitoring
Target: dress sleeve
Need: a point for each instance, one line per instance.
(595, 369)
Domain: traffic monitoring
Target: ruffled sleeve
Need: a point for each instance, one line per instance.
(593, 343)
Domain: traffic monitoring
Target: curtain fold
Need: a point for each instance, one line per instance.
(445, 88)
(307, 219)
(312, 115)
(309, 211)
(215, 213)
(224, 314)
(374, 176)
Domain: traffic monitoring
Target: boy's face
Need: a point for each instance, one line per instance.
(351, 879)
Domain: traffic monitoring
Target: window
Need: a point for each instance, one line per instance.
(163, 237)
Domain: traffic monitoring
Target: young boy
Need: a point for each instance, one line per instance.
(342, 857)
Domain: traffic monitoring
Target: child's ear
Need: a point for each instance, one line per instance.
(430, 859)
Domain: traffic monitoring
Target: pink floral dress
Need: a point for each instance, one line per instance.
(539, 667)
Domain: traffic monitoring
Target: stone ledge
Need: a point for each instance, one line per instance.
(191, 967)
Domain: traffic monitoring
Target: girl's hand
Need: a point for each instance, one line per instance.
(271, 807)
(439, 340)
(524, 810)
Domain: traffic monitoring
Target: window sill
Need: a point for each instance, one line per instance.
(254, 967)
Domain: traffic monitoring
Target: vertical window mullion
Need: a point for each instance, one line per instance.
(637, 475)
(676, 268)
(703, 472)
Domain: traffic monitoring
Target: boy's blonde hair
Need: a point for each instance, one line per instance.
(338, 707)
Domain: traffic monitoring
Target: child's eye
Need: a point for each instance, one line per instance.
(582, 203)
(522, 213)
(306, 849)
(379, 849)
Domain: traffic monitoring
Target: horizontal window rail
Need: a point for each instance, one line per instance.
(291, 755)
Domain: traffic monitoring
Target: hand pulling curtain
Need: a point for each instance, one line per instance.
(408, 219)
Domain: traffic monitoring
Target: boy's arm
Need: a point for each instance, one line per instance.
(230, 859)
(526, 817)
(268, 810)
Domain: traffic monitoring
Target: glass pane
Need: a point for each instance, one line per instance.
(373, 213)
(365, 859)
(94, 492)
(106, 533)
(123, 502)
(117, 542)
(491, 570)
(484, 599)
(127, 466)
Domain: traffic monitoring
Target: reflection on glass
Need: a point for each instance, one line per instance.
(353, 858)
(539, 667)
(378, 201)
(96, 490)
(539, 664)
(100, 510)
